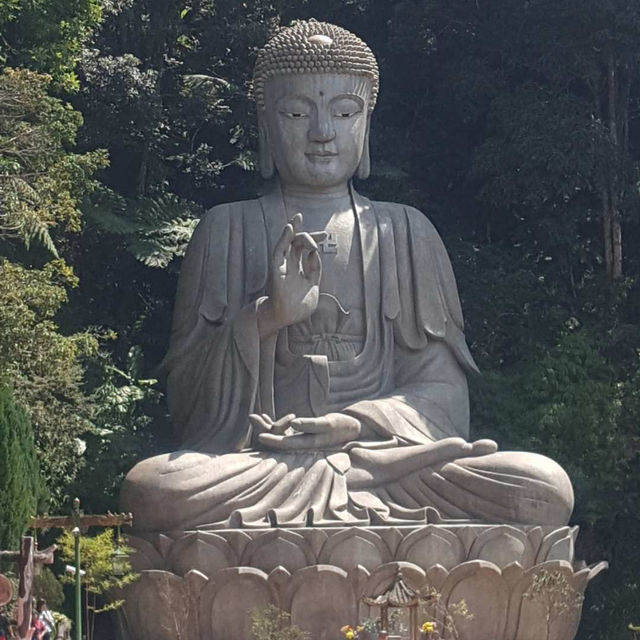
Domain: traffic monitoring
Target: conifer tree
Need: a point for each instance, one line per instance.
(20, 483)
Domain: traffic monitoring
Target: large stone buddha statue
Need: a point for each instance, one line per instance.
(317, 366)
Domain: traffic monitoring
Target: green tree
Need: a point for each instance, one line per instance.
(41, 180)
(20, 482)
(47, 587)
(48, 35)
(45, 366)
(270, 623)
(564, 402)
(101, 584)
(125, 408)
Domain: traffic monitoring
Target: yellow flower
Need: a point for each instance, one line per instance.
(349, 635)
(428, 627)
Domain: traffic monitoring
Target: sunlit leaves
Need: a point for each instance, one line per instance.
(42, 181)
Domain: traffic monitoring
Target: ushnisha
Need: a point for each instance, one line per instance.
(315, 47)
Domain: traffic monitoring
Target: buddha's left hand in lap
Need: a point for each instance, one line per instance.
(337, 429)
(328, 431)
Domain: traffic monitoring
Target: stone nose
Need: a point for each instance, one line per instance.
(321, 129)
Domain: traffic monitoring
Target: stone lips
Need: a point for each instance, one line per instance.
(314, 47)
(203, 584)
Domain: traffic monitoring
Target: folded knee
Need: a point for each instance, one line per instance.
(532, 488)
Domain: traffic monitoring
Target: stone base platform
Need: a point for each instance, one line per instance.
(201, 585)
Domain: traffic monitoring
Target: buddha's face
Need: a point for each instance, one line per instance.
(316, 126)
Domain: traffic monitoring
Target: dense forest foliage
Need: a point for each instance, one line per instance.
(514, 124)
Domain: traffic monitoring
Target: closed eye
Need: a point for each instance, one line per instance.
(294, 115)
(295, 107)
(345, 107)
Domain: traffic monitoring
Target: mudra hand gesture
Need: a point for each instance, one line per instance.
(330, 431)
(293, 296)
(334, 430)
(294, 284)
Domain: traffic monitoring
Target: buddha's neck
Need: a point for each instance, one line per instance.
(316, 205)
(317, 211)
(314, 193)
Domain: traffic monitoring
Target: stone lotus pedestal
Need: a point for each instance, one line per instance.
(201, 585)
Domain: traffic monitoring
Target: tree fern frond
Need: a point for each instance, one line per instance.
(26, 224)
(203, 82)
(40, 232)
(107, 219)
(156, 229)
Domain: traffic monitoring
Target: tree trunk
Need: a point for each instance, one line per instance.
(606, 233)
(613, 190)
(617, 246)
(616, 227)
(141, 186)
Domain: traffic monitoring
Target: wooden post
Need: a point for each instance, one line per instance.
(27, 559)
(384, 618)
(413, 623)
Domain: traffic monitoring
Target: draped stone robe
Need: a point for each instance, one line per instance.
(406, 382)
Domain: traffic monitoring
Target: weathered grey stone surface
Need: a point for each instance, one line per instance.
(317, 366)
(320, 576)
(317, 374)
(348, 548)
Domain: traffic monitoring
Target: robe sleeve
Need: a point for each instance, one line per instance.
(430, 399)
(213, 364)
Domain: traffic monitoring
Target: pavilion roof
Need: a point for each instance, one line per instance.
(398, 595)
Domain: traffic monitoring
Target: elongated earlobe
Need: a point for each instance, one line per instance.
(364, 168)
(265, 159)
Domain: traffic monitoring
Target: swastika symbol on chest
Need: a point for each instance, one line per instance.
(329, 244)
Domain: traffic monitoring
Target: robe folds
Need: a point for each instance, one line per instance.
(406, 381)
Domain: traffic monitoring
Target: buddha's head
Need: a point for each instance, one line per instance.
(315, 86)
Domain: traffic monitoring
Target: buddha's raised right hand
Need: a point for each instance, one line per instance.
(294, 285)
